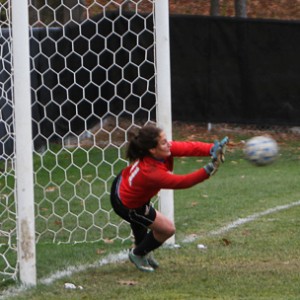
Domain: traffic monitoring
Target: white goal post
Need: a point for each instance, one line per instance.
(84, 74)
(164, 115)
(23, 145)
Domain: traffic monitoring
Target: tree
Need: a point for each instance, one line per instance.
(240, 8)
(214, 8)
(239, 5)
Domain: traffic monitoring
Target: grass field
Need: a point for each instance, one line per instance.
(246, 218)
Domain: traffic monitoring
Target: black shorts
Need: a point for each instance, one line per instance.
(144, 215)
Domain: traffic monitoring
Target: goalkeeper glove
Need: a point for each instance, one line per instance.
(212, 167)
(218, 150)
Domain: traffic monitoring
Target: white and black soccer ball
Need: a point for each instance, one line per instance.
(261, 150)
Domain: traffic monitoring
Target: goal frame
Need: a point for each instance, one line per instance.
(24, 149)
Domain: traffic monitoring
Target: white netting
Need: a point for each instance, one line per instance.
(8, 255)
(92, 80)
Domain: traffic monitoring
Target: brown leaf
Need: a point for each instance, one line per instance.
(100, 251)
(127, 282)
(226, 242)
(51, 189)
(58, 222)
(108, 241)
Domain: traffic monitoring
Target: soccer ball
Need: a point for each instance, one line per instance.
(261, 150)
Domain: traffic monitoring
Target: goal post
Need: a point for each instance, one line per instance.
(164, 112)
(23, 144)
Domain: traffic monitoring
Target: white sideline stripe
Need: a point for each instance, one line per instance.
(253, 217)
(242, 221)
(109, 259)
(123, 255)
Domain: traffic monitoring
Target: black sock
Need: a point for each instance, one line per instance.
(148, 244)
(139, 233)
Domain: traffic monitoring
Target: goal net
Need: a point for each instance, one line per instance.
(93, 76)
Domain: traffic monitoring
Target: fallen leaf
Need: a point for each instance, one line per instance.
(127, 282)
(58, 222)
(226, 242)
(108, 241)
(51, 189)
(100, 251)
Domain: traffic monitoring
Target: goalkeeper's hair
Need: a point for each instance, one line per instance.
(142, 141)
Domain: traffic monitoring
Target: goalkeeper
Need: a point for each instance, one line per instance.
(151, 156)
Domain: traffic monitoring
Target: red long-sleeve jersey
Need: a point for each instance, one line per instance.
(144, 178)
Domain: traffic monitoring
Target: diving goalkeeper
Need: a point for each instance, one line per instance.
(151, 156)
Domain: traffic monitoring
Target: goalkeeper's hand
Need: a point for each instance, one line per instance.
(212, 167)
(218, 150)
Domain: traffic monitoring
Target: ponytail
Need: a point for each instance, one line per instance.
(141, 142)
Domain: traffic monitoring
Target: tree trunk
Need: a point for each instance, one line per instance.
(240, 8)
(214, 7)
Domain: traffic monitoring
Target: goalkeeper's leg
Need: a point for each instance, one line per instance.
(139, 233)
(160, 230)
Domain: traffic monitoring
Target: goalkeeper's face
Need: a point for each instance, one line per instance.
(162, 150)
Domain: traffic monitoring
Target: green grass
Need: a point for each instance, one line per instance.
(256, 260)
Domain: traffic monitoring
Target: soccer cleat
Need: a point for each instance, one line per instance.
(140, 262)
(152, 261)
